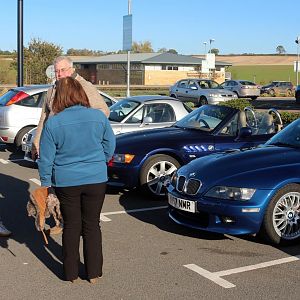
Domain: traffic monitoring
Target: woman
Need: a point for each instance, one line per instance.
(75, 146)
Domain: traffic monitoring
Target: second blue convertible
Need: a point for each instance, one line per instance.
(243, 191)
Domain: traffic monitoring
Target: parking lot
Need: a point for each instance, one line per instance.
(146, 255)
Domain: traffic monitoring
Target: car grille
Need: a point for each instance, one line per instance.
(189, 186)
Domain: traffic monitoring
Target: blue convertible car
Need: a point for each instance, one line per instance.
(243, 191)
(149, 158)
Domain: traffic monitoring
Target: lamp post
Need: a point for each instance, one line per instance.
(297, 41)
(20, 43)
(210, 41)
(205, 43)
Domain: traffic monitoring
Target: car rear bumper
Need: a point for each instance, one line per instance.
(8, 134)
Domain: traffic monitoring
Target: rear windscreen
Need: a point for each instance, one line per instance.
(7, 96)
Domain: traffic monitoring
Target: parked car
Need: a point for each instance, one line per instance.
(278, 88)
(20, 111)
(242, 88)
(243, 191)
(200, 92)
(134, 114)
(148, 159)
(297, 94)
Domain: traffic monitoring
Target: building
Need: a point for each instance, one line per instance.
(145, 68)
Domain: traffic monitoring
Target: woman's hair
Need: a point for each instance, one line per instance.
(69, 92)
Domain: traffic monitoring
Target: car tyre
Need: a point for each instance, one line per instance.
(281, 223)
(173, 96)
(21, 136)
(156, 172)
(254, 98)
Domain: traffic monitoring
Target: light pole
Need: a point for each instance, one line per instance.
(205, 43)
(210, 41)
(128, 58)
(297, 41)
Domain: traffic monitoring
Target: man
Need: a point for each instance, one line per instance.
(63, 67)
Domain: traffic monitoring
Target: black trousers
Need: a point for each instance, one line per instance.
(80, 208)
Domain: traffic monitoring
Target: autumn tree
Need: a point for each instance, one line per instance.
(37, 57)
(142, 47)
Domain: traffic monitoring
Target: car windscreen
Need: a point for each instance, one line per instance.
(205, 118)
(120, 110)
(247, 83)
(7, 96)
(289, 136)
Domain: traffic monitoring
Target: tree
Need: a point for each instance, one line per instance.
(172, 51)
(142, 47)
(37, 57)
(84, 52)
(280, 50)
(215, 51)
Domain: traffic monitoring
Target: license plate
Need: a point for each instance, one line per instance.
(25, 148)
(182, 204)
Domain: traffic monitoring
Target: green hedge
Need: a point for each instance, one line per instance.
(287, 117)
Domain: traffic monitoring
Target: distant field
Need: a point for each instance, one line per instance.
(262, 74)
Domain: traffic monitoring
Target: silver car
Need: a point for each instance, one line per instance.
(200, 91)
(20, 111)
(134, 114)
(242, 88)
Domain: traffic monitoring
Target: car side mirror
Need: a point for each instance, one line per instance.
(244, 132)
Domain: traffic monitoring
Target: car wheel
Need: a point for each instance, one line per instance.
(272, 93)
(254, 98)
(281, 223)
(173, 96)
(156, 172)
(21, 136)
(202, 101)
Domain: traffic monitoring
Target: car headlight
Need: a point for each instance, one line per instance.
(122, 158)
(214, 95)
(230, 193)
(174, 179)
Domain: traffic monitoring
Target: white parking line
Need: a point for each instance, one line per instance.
(36, 181)
(216, 276)
(104, 218)
(4, 161)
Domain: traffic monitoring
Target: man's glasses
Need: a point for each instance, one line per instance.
(62, 70)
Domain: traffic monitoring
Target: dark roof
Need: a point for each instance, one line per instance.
(144, 58)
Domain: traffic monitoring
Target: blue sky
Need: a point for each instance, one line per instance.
(256, 26)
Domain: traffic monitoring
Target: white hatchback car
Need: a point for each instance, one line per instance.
(20, 111)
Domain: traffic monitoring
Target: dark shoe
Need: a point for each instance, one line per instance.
(4, 232)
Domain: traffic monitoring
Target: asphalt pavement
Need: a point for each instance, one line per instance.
(146, 255)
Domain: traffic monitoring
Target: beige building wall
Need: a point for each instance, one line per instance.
(168, 77)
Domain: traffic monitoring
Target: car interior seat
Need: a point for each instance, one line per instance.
(266, 125)
(242, 120)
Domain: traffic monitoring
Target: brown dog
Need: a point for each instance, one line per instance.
(43, 203)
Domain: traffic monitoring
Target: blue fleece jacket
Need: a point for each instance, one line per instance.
(75, 146)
